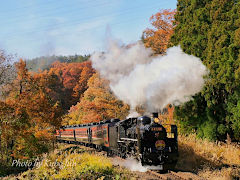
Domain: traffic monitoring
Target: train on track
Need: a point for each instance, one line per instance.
(142, 137)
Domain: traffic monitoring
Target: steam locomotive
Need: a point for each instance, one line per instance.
(142, 138)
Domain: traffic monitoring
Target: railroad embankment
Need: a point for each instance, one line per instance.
(207, 160)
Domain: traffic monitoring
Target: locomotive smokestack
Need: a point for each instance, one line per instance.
(155, 115)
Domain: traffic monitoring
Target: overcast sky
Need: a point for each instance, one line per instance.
(31, 28)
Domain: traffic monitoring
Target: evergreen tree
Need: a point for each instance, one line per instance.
(210, 30)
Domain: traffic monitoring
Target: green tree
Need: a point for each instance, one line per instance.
(210, 30)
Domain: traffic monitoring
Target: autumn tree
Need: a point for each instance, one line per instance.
(71, 80)
(158, 37)
(4, 66)
(98, 103)
(6, 111)
(7, 72)
(82, 84)
(6, 131)
(29, 116)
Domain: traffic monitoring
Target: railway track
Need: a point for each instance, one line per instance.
(161, 176)
(171, 175)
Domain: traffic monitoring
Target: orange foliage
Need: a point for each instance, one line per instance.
(22, 72)
(82, 85)
(166, 117)
(27, 114)
(158, 37)
(34, 107)
(98, 103)
(69, 81)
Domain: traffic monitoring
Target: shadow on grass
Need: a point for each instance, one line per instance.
(73, 149)
(76, 149)
(6, 170)
(192, 162)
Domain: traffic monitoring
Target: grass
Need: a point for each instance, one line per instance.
(210, 160)
(74, 163)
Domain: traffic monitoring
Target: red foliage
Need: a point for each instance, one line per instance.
(66, 82)
(158, 37)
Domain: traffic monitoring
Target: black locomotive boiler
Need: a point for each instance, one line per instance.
(143, 138)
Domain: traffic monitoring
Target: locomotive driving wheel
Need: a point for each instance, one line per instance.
(122, 150)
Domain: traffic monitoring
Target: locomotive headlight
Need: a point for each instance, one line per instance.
(160, 144)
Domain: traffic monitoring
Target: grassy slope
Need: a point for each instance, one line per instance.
(210, 160)
(71, 162)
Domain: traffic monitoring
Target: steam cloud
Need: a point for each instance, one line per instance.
(131, 164)
(139, 78)
(134, 165)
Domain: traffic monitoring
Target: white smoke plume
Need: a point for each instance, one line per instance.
(132, 113)
(139, 78)
(120, 60)
(131, 164)
(134, 165)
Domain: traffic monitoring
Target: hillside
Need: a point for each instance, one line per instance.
(44, 62)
